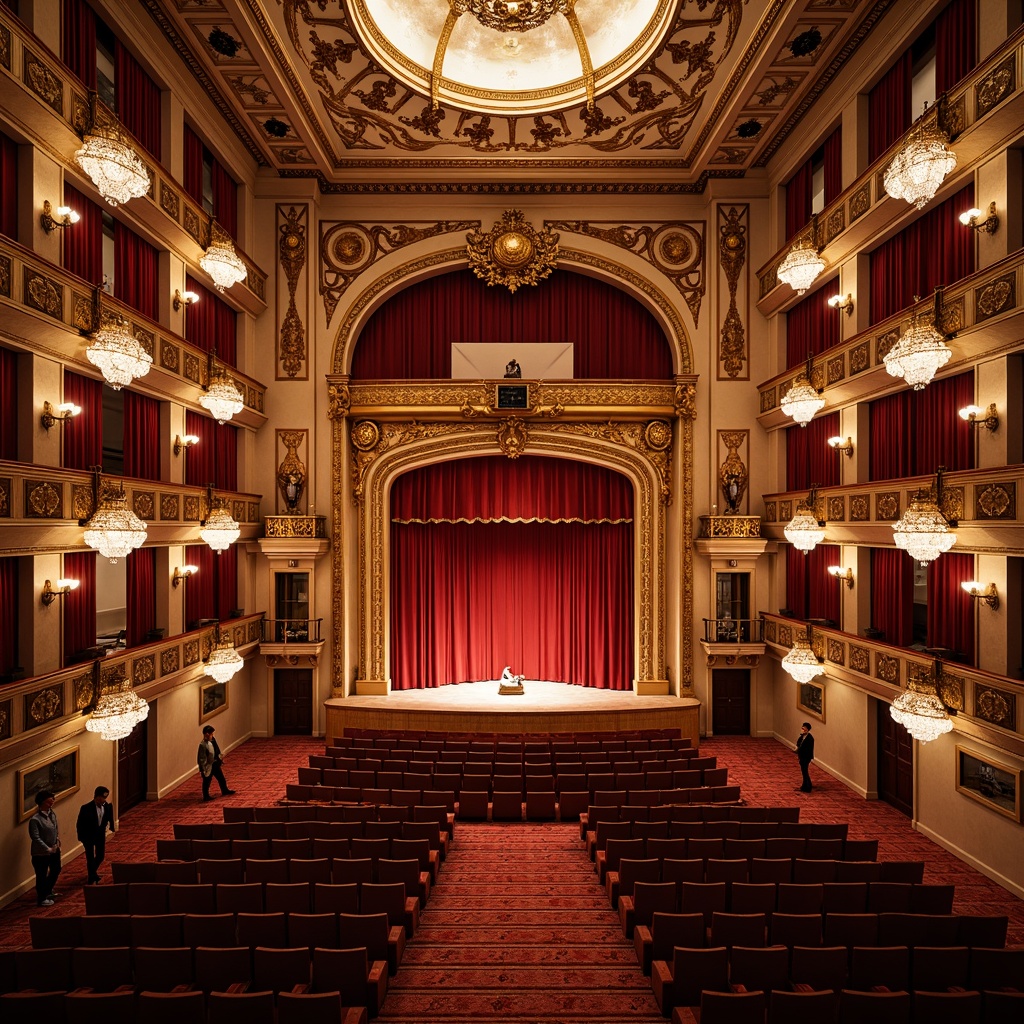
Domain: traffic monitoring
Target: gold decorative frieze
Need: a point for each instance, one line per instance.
(952, 504)
(996, 501)
(996, 706)
(144, 505)
(887, 669)
(785, 635)
(512, 437)
(732, 259)
(169, 661)
(860, 659)
(169, 505)
(143, 670)
(836, 651)
(291, 256)
(43, 706)
(5, 276)
(192, 368)
(686, 402)
(190, 652)
(860, 358)
(170, 356)
(5, 48)
(6, 722)
(770, 631)
(951, 690)
(860, 201)
(836, 509)
(84, 687)
(995, 297)
(238, 510)
(887, 506)
(43, 293)
(238, 635)
(769, 511)
(513, 253)
(785, 511)
(192, 508)
(995, 87)
(768, 399)
(169, 201)
(5, 497)
(43, 82)
(253, 630)
(751, 660)
(43, 500)
(835, 224)
(835, 370)
(295, 526)
(253, 508)
(730, 526)
(883, 344)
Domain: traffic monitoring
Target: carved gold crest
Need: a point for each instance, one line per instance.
(512, 253)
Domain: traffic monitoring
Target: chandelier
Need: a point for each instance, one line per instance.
(219, 530)
(920, 167)
(116, 352)
(803, 531)
(224, 660)
(221, 261)
(918, 354)
(803, 262)
(802, 400)
(801, 662)
(118, 711)
(113, 530)
(110, 160)
(222, 398)
(923, 531)
(919, 710)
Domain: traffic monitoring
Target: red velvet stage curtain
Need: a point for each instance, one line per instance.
(214, 460)
(811, 325)
(136, 271)
(225, 199)
(83, 245)
(8, 404)
(8, 187)
(796, 582)
(79, 606)
(834, 165)
(138, 100)
(141, 436)
(411, 335)
(83, 436)
(892, 595)
(140, 578)
(809, 459)
(192, 179)
(950, 608)
(799, 194)
(889, 114)
(210, 323)
(200, 591)
(811, 592)
(956, 43)
(9, 601)
(915, 432)
(934, 250)
(78, 40)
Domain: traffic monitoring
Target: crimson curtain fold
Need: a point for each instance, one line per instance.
(141, 436)
(83, 246)
(8, 187)
(809, 459)
(136, 271)
(140, 585)
(8, 404)
(212, 593)
(811, 591)
(79, 607)
(9, 620)
(225, 199)
(210, 323)
(214, 460)
(889, 114)
(411, 335)
(799, 195)
(192, 174)
(78, 40)
(138, 100)
(812, 325)
(950, 608)
(892, 595)
(82, 437)
(796, 582)
(956, 43)
(834, 165)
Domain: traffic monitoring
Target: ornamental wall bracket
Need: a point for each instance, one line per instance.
(512, 437)
(513, 253)
(686, 401)
(339, 401)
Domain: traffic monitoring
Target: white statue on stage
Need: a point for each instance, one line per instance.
(509, 682)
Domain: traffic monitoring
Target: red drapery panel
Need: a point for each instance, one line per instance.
(78, 40)
(79, 606)
(138, 100)
(192, 179)
(83, 245)
(834, 165)
(225, 574)
(9, 620)
(140, 571)
(200, 591)
(799, 190)
(796, 582)
(214, 460)
(956, 43)
(209, 323)
(811, 325)
(411, 335)
(823, 597)
(494, 487)
(8, 187)
(934, 250)
(136, 271)
(225, 200)
(141, 436)
(553, 600)
(889, 113)
(83, 436)
(809, 459)
(8, 405)
(950, 607)
(892, 595)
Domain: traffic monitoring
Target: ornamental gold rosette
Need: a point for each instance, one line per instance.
(513, 253)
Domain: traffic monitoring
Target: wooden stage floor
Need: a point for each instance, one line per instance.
(545, 707)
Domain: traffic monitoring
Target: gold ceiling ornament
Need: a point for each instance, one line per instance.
(512, 253)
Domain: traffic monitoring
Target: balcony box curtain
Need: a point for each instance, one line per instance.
(9, 601)
(892, 595)
(525, 563)
(951, 610)
(796, 582)
(799, 191)
(214, 460)
(934, 250)
(210, 323)
(8, 405)
(834, 165)
(136, 271)
(83, 244)
(812, 325)
(78, 40)
(889, 114)
(411, 335)
(8, 187)
(809, 459)
(225, 200)
(956, 43)
(138, 100)
(201, 590)
(140, 581)
(225, 576)
(192, 178)
(141, 436)
(823, 594)
(82, 437)
(79, 607)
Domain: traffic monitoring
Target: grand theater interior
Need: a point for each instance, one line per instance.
(665, 353)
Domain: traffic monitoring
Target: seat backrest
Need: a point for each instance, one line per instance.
(367, 930)
(737, 929)
(241, 1007)
(281, 969)
(341, 970)
(671, 930)
(159, 969)
(696, 970)
(389, 898)
(873, 966)
(821, 967)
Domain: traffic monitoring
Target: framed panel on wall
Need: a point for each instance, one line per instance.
(59, 773)
(810, 697)
(213, 699)
(995, 785)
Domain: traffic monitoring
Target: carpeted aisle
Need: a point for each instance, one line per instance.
(518, 928)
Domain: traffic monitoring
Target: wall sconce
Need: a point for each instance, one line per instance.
(978, 417)
(64, 412)
(63, 588)
(980, 592)
(64, 219)
(838, 302)
(843, 575)
(969, 219)
(183, 574)
(837, 445)
(183, 299)
(184, 442)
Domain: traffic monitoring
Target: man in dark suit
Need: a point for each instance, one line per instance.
(805, 752)
(210, 760)
(94, 818)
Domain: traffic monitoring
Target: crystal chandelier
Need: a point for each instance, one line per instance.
(113, 530)
(116, 352)
(801, 401)
(111, 162)
(801, 662)
(219, 530)
(221, 261)
(801, 267)
(919, 710)
(118, 711)
(918, 354)
(803, 530)
(224, 660)
(923, 532)
(920, 167)
(222, 398)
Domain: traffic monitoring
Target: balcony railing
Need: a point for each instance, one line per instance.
(291, 631)
(734, 631)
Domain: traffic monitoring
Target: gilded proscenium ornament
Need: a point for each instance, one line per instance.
(732, 474)
(513, 253)
(730, 526)
(512, 437)
(291, 474)
(732, 255)
(291, 252)
(339, 401)
(686, 401)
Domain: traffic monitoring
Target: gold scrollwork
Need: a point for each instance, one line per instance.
(45, 705)
(5, 276)
(169, 661)
(732, 256)
(996, 706)
(143, 670)
(84, 687)
(836, 651)
(513, 253)
(993, 298)
(169, 507)
(190, 652)
(860, 659)
(291, 253)
(339, 401)
(887, 668)
(860, 508)
(44, 294)
(887, 506)
(43, 500)
(512, 437)
(996, 501)
(686, 401)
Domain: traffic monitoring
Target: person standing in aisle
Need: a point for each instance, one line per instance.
(94, 818)
(45, 836)
(210, 761)
(805, 752)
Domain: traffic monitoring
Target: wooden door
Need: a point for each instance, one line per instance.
(895, 762)
(730, 701)
(131, 769)
(293, 702)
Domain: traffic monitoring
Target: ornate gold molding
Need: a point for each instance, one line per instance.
(513, 253)
(732, 257)
(291, 255)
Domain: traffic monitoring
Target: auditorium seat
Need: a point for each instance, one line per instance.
(313, 930)
(819, 968)
(856, 1007)
(806, 1007)
(724, 1008)
(161, 969)
(875, 967)
(758, 968)
(241, 1007)
(214, 930)
(679, 982)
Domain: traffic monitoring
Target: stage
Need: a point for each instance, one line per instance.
(544, 707)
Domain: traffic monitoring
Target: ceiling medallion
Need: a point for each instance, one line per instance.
(512, 253)
(510, 16)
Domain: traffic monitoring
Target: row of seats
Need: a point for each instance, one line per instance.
(406, 739)
(725, 818)
(289, 812)
(455, 760)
